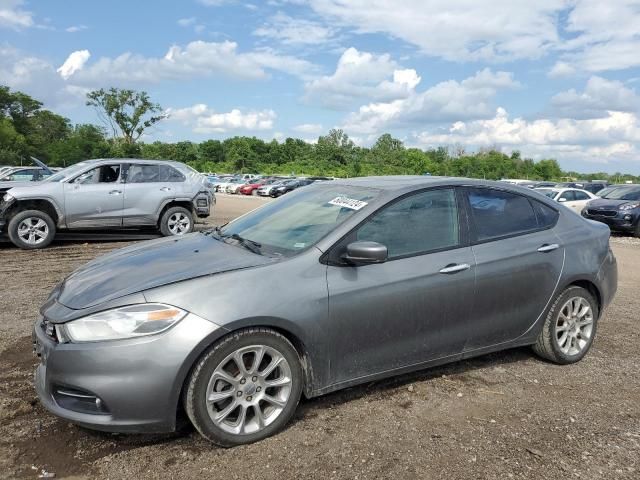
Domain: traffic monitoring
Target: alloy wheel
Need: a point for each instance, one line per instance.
(574, 326)
(179, 224)
(33, 230)
(249, 389)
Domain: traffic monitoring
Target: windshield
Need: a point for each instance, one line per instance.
(547, 192)
(67, 172)
(622, 193)
(299, 220)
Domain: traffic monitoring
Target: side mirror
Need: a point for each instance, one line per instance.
(562, 200)
(365, 253)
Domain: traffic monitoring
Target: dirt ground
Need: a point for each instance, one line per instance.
(505, 415)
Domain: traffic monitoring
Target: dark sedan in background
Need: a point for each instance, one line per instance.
(618, 207)
(367, 278)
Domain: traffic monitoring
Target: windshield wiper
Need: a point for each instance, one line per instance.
(250, 245)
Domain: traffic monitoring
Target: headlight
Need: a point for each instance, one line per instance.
(7, 197)
(629, 206)
(124, 322)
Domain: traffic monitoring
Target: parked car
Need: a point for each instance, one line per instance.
(265, 190)
(618, 207)
(232, 186)
(288, 186)
(573, 198)
(17, 176)
(106, 194)
(368, 278)
(592, 187)
(252, 187)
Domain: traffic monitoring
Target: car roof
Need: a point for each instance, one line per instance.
(402, 182)
(135, 161)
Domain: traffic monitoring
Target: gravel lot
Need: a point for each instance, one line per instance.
(505, 415)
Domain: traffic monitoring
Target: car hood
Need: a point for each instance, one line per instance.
(605, 203)
(7, 185)
(152, 264)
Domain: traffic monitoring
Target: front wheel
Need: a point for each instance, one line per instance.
(31, 229)
(176, 221)
(244, 388)
(570, 327)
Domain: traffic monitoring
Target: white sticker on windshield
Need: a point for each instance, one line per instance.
(346, 202)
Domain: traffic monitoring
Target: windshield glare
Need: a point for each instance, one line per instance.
(66, 172)
(299, 220)
(622, 193)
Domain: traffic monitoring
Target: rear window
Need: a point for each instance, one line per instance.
(496, 213)
(547, 216)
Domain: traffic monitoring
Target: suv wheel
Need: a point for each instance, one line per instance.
(31, 229)
(176, 221)
(244, 388)
(570, 327)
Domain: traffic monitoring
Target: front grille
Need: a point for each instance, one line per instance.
(49, 330)
(602, 213)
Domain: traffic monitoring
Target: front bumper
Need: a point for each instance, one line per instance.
(4, 209)
(623, 221)
(137, 381)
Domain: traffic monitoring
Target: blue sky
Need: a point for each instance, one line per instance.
(551, 78)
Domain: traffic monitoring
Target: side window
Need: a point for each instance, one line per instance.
(23, 175)
(568, 196)
(143, 174)
(496, 213)
(170, 174)
(581, 196)
(420, 223)
(547, 216)
(103, 174)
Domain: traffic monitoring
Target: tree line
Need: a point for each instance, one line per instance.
(27, 129)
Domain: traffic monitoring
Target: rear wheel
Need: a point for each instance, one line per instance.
(244, 388)
(570, 327)
(176, 221)
(31, 229)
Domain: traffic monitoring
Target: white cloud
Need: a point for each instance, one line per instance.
(36, 77)
(308, 128)
(75, 28)
(204, 120)
(73, 63)
(186, 22)
(613, 137)
(196, 59)
(604, 35)
(215, 3)
(361, 75)
(295, 31)
(13, 16)
(599, 97)
(446, 101)
(456, 30)
(561, 69)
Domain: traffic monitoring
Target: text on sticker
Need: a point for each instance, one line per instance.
(346, 202)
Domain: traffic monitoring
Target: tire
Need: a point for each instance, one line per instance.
(176, 221)
(552, 344)
(31, 229)
(247, 390)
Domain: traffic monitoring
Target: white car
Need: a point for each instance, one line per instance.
(574, 198)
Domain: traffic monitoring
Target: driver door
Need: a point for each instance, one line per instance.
(416, 306)
(95, 198)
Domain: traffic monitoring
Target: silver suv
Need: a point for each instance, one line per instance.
(107, 194)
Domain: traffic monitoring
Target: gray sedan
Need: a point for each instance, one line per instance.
(331, 286)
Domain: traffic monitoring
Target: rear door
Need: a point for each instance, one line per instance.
(416, 306)
(519, 260)
(148, 187)
(94, 199)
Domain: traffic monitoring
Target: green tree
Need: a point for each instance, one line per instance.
(126, 113)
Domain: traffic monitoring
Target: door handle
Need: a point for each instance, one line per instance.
(165, 189)
(455, 268)
(548, 247)
(115, 192)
